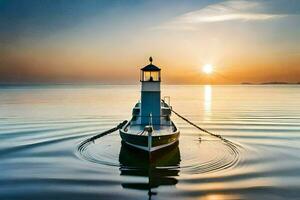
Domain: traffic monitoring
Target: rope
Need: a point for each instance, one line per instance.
(201, 129)
(119, 126)
(141, 133)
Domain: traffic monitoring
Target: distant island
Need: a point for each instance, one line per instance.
(275, 82)
(269, 83)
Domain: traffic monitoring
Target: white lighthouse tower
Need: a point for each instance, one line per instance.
(150, 94)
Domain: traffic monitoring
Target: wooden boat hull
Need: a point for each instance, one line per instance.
(141, 141)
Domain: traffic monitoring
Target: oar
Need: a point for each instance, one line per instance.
(119, 126)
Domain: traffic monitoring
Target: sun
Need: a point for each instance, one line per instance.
(207, 69)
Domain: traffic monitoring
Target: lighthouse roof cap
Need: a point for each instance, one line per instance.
(150, 67)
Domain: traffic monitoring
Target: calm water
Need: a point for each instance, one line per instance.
(41, 128)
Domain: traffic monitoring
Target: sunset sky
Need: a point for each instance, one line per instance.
(108, 41)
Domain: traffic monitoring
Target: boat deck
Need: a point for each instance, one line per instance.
(158, 130)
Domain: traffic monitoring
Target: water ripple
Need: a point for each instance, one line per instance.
(222, 155)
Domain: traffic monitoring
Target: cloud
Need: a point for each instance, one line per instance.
(239, 10)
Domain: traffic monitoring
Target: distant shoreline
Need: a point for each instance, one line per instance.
(270, 83)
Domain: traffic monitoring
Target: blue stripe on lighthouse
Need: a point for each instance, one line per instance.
(150, 103)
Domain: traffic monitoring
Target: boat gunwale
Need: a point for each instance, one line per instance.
(174, 131)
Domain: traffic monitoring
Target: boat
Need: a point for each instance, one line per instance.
(150, 128)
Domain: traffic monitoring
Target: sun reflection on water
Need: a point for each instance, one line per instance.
(220, 197)
(207, 101)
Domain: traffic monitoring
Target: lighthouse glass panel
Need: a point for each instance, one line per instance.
(146, 76)
(155, 76)
(151, 76)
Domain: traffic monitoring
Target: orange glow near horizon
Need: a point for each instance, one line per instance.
(231, 70)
